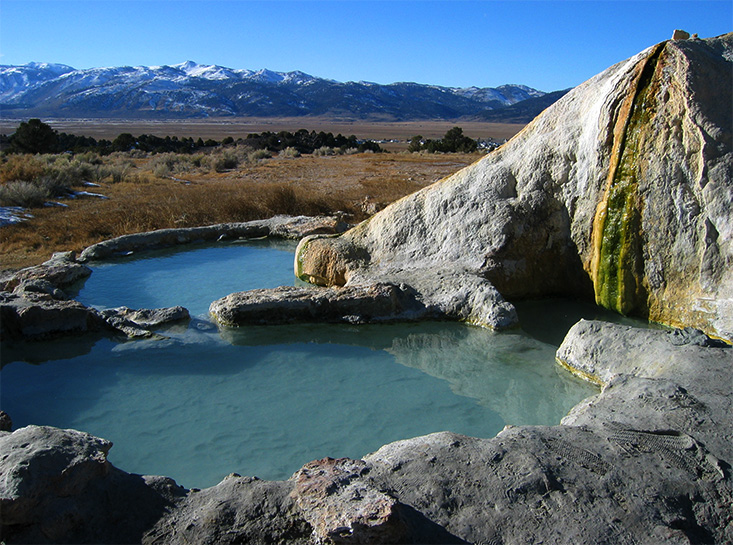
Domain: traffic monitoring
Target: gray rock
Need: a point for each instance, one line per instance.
(237, 510)
(31, 314)
(39, 286)
(138, 323)
(56, 486)
(355, 304)
(621, 190)
(652, 382)
(34, 316)
(278, 226)
(59, 272)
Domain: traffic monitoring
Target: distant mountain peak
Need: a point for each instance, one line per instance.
(190, 89)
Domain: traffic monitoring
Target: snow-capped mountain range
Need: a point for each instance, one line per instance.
(195, 90)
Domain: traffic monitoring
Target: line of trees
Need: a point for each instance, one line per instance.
(34, 136)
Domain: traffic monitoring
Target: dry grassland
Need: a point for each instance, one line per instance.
(353, 184)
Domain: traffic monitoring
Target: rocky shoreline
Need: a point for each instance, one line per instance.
(34, 305)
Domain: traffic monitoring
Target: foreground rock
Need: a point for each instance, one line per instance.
(648, 460)
(56, 486)
(622, 189)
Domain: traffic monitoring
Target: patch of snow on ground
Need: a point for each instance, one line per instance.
(13, 214)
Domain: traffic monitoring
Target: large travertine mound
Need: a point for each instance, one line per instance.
(622, 189)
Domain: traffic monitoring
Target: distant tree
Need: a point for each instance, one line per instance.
(455, 141)
(415, 144)
(124, 142)
(34, 136)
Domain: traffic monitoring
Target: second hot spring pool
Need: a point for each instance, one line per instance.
(263, 401)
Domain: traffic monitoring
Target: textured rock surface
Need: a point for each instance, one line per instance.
(138, 323)
(34, 316)
(622, 189)
(359, 304)
(56, 486)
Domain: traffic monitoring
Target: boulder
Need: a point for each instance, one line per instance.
(61, 271)
(654, 379)
(286, 304)
(621, 191)
(56, 486)
(6, 423)
(237, 510)
(138, 323)
(32, 316)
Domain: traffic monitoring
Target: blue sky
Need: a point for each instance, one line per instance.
(546, 44)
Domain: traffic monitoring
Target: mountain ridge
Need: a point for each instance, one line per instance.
(192, 90)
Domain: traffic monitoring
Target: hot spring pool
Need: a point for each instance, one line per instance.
(264, 400)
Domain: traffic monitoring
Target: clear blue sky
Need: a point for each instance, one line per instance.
(546, 44)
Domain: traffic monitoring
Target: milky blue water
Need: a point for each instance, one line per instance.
(264, 400)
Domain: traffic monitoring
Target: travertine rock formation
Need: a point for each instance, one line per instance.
(623, 190)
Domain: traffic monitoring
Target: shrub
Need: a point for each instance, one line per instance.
(119, 173)
(323, 151)
(21, 168)
(289, 152)
(226, 161)
(99, 173)
(25, 194)
(258, 154)
(90, 157)
(53, 186)
(69, 172)
(31, 194)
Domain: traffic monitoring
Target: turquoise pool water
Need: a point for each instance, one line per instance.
(264, 400)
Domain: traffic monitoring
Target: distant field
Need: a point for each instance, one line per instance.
(172, 190)
(223, 127)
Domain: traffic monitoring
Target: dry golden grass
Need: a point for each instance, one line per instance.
(281, 185)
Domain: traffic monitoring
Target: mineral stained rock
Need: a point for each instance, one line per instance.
(621, 190)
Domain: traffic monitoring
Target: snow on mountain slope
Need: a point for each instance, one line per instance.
(189, 89)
